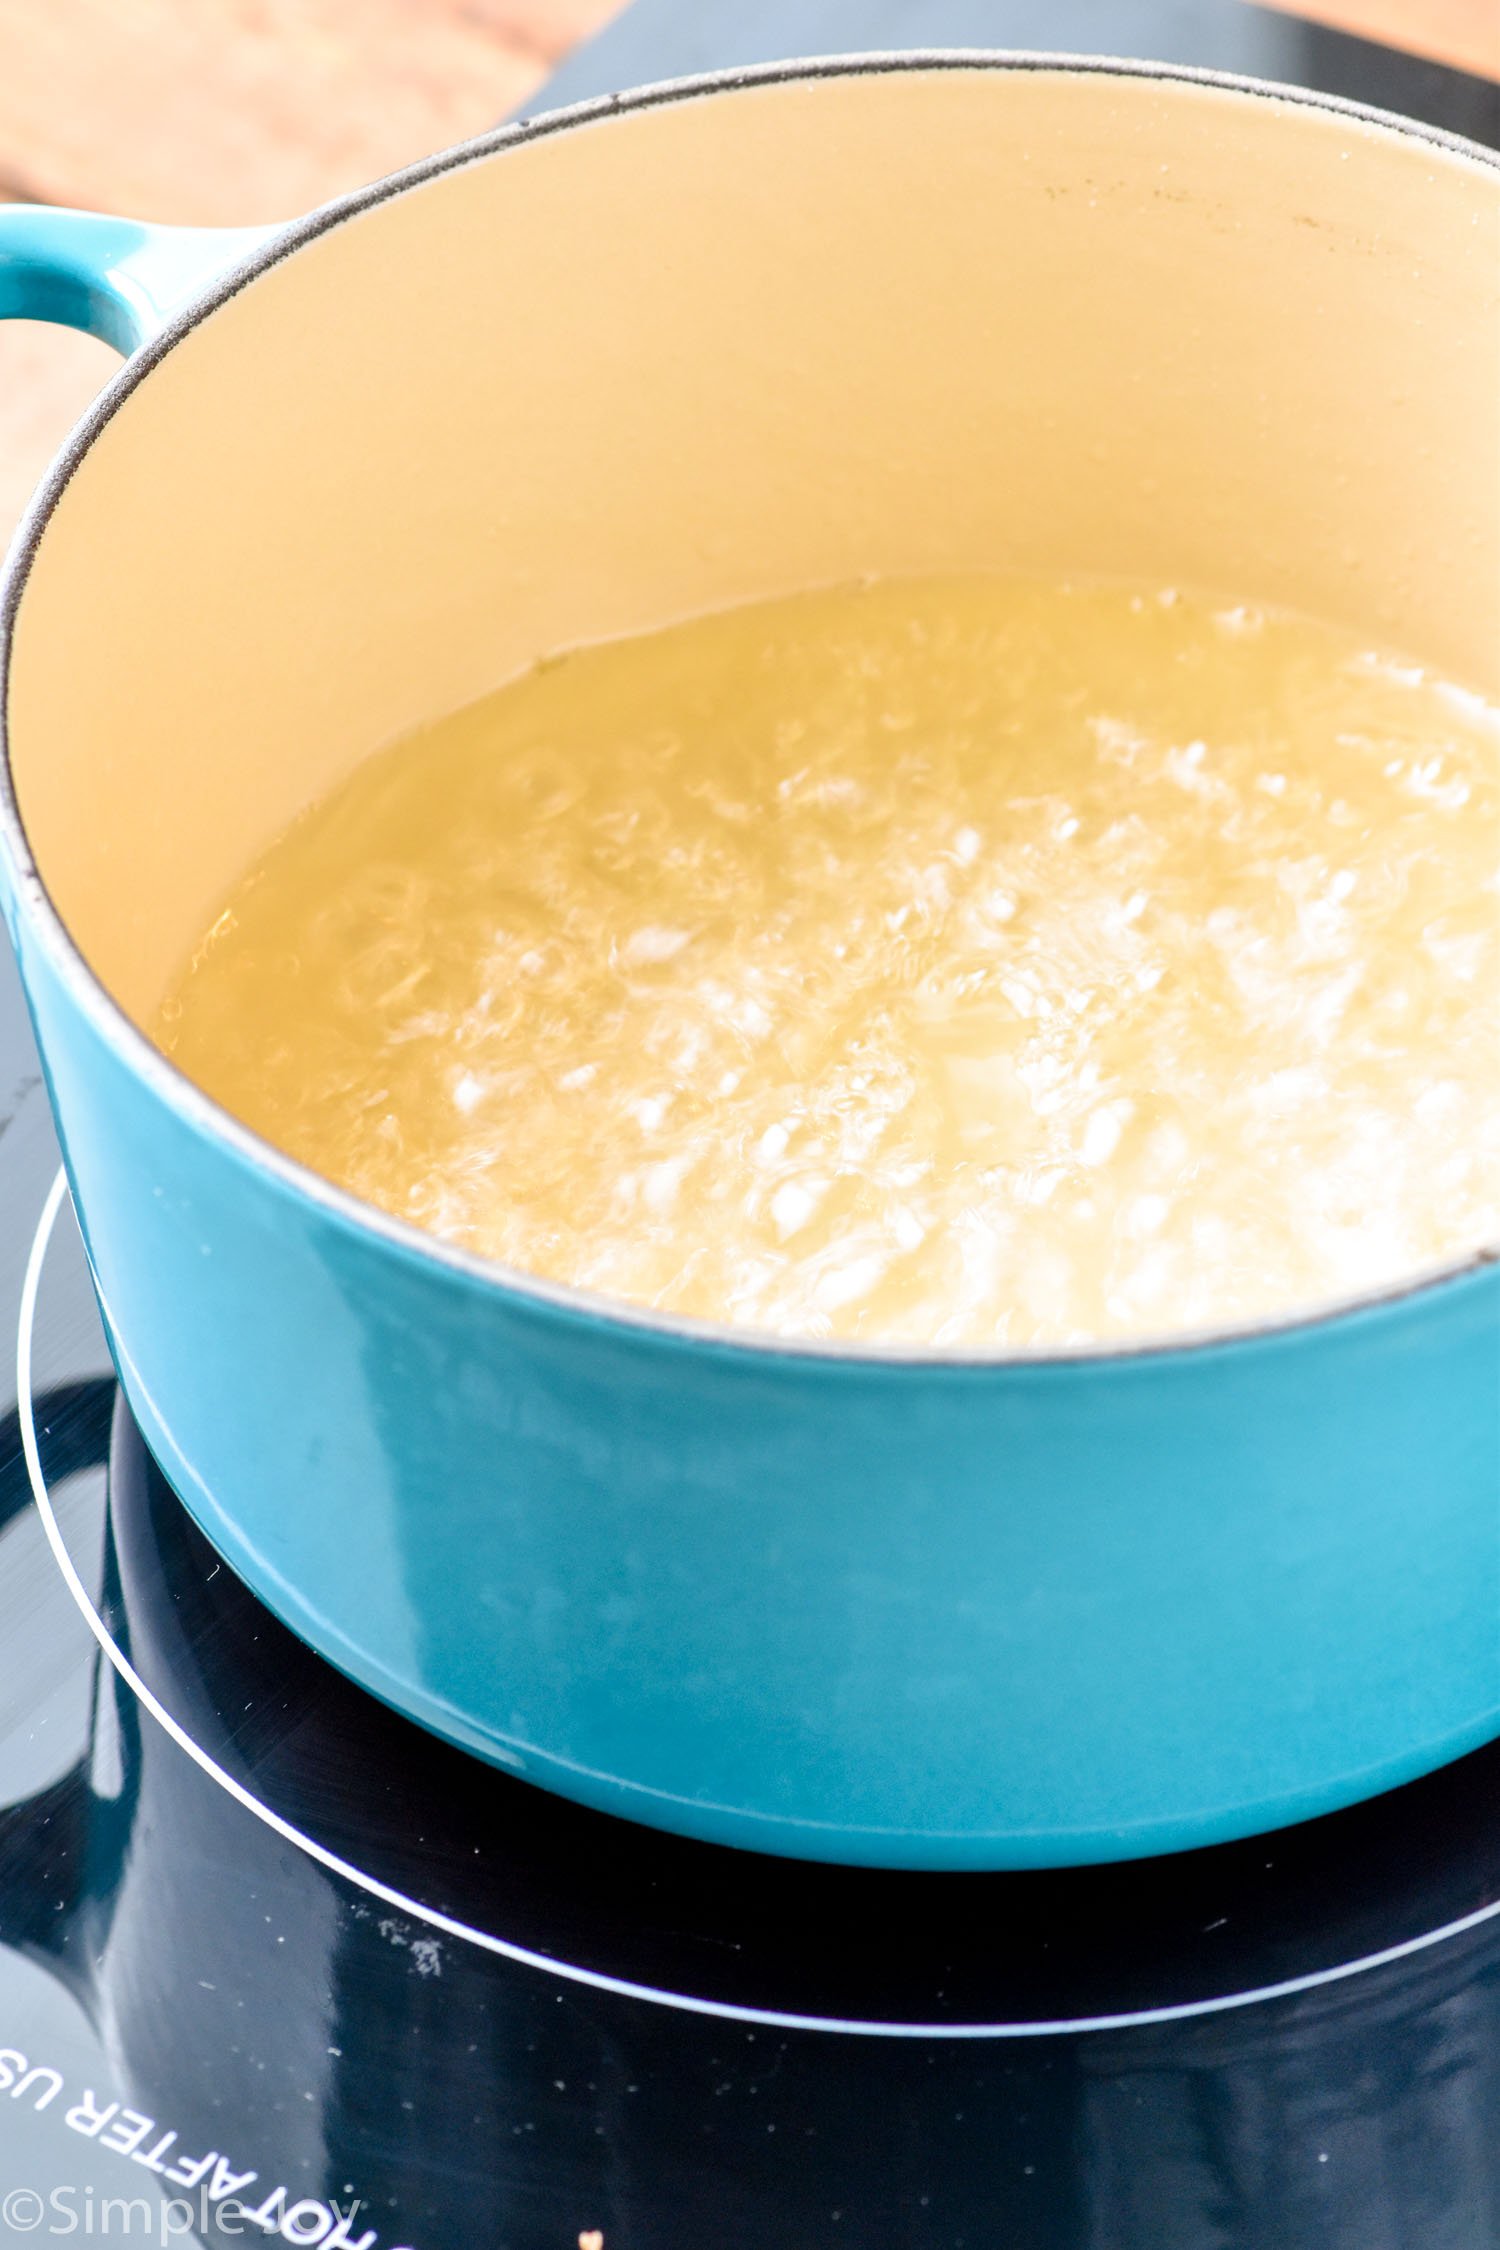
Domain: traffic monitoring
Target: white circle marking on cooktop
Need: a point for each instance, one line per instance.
(570, 1972)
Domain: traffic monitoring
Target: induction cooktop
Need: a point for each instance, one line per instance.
(277, 1965)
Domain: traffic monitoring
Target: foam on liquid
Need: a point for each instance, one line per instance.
(962, 961)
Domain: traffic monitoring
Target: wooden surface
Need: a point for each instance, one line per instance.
(1463, 32)
(230, 111)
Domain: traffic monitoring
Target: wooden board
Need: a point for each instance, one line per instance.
(1465, 33)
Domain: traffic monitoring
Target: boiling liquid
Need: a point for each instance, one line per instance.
(967, 961)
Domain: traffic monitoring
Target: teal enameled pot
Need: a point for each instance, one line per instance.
(709, 343)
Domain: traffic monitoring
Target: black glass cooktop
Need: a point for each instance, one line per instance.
(274, 1964)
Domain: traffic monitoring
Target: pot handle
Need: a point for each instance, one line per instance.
(117, 279)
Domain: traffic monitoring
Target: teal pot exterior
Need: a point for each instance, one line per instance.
(902, 1611)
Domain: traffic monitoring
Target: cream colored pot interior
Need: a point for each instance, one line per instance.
(719, 348)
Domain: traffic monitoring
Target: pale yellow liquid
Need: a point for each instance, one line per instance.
(963, 961)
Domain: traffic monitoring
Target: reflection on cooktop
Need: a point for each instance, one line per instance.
(734, 1930)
